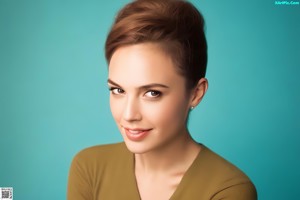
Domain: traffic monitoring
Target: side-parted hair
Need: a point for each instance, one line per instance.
(176, 25)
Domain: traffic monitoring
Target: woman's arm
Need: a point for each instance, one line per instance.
(79, 186)
(242, 191)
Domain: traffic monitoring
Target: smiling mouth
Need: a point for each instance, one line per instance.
(136, 134)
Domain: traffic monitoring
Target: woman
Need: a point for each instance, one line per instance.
(157, 56)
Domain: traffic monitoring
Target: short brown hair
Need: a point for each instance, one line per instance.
(175, 24)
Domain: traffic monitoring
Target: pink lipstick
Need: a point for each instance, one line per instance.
(136, 134)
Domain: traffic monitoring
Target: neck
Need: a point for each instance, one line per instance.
(176, 156)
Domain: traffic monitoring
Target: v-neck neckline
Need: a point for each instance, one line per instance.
(182, 182)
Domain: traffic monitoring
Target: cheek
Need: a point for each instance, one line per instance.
(168, 112)
(115, 109)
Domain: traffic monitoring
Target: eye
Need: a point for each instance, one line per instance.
(153, 94)
(116, 91)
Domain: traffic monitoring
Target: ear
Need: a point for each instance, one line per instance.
(198, 92)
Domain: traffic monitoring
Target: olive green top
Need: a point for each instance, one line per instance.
(106, 172)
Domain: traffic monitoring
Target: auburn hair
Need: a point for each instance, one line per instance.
(176, 25)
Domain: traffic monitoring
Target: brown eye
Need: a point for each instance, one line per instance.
(117, 91)
(153, 94)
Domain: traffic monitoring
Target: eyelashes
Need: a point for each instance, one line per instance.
(116, 91)
(151, 94)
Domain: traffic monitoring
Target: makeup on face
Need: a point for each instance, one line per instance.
(147, 97)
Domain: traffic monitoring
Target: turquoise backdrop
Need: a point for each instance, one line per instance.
(54, 99)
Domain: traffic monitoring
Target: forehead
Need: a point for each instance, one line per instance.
(143, 64)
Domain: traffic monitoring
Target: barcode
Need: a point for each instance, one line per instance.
(6, 193)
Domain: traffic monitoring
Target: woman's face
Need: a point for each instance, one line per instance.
(148, 98)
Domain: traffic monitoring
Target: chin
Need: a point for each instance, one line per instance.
(137, 147)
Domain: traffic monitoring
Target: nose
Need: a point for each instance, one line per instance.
(131, 110)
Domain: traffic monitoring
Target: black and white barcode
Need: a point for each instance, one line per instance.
(6, 193)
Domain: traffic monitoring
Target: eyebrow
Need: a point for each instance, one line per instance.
(151, 85)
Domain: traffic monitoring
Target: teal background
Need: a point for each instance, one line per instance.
(54, 98)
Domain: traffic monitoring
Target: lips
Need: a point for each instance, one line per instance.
(136, 134)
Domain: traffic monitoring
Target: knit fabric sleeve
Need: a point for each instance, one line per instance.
(79, 186)
(242, 191)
